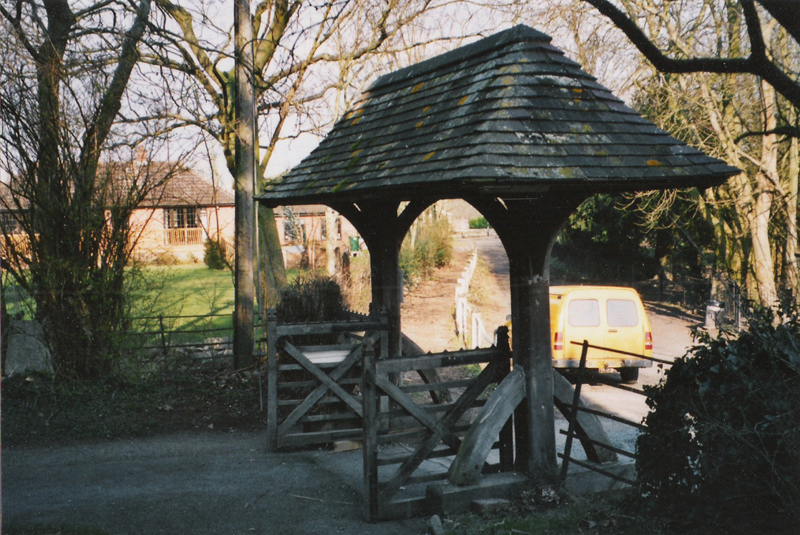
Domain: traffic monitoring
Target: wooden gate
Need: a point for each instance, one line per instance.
(409, 440)
(312, 389)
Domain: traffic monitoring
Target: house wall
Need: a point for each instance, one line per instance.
(312, 223)
(185, 244)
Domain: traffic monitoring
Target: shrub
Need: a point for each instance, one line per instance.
(433, 248)
(722, 443)
(478, 222)
(214, 255)
(309, 299)
(165, 259)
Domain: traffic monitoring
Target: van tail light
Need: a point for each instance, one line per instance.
(648, 341)
(558, 341)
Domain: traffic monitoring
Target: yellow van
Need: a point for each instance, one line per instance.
(607, 316)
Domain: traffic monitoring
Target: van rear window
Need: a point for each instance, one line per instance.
(622, 313)
(584, 313)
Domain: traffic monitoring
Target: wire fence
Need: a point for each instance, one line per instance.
(167, 343)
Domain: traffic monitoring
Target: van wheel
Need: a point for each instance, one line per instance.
(629, 375)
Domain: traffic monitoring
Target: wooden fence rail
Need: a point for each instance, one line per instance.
(577, 408)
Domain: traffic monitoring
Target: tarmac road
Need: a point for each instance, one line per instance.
(200, 484)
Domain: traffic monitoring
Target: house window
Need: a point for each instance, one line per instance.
(294, 230)
(183, 217)
(9, 223)
(324, 228)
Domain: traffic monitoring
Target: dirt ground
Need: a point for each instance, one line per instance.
(227, 483)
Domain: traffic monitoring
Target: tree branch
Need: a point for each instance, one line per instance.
(757, 63)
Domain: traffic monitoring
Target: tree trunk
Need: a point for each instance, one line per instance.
(243, 334)
(766, 178)
(790, 251)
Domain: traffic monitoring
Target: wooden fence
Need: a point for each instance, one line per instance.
(577, 408)
(469, 323)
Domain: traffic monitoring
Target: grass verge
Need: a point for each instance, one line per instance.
(539, 512)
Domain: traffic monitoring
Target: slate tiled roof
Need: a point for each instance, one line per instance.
(507, 115)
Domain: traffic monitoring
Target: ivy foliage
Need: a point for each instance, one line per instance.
(722, 445)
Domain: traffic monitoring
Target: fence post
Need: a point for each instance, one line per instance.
(573, 414)
(370, 422)
(506, 449)
(163, 341)
(272, 379)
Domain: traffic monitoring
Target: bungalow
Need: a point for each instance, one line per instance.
(179, 216)
(174, 218)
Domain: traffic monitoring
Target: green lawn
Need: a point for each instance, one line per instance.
(191, 299)
(190, 302)
(182, 290)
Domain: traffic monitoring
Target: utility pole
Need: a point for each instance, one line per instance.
(243, 328)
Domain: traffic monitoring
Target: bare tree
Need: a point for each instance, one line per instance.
(756, 59)
(299, 51)
(721, 75)
(63, 79)
(734, 100)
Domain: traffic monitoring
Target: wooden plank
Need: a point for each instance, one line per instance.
(295, 329)
(369, 393)
(418, 434)
(329, 347)
(331, 417)
(331, 356)
(466, 467)
(289, 386)
(318, 437)
(326, 400)
(319, 392)
(272, 380)
(437, 360)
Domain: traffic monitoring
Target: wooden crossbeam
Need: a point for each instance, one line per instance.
(402, 399)
(423, 451)
(352, 358)
(327, 380)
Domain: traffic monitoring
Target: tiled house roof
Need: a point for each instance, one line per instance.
(507, 115)
(183, 188)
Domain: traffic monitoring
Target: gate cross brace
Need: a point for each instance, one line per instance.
(489, 374)
(328, 381)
